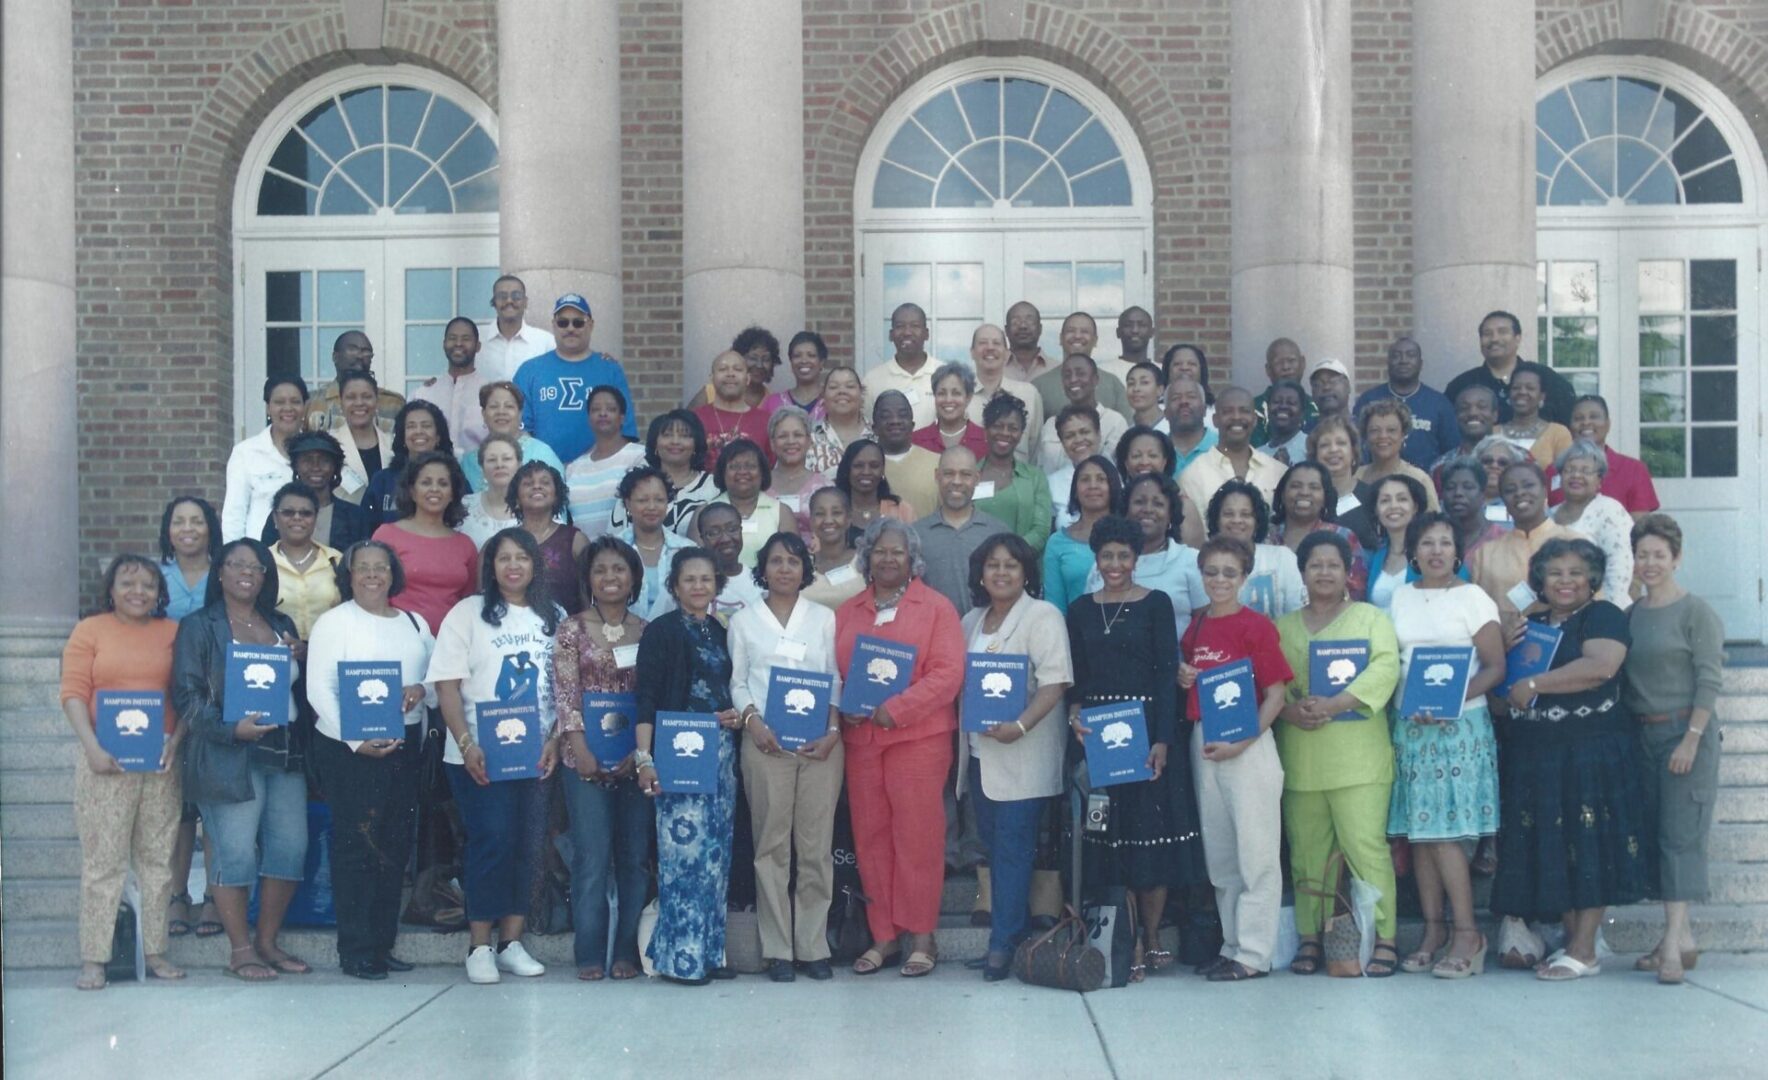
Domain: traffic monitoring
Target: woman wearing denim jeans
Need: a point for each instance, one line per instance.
(596, 652)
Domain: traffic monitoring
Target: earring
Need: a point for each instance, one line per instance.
(1457, 564)
(1413, 563)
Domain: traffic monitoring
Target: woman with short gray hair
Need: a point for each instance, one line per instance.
(1579, 471)
(794, 481)
(954, 384)
(899, 753)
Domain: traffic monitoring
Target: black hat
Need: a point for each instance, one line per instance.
(309, 441)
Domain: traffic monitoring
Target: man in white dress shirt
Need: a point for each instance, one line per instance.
(456, 391)
(508, 341)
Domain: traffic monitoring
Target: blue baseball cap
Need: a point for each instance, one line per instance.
(572, 299)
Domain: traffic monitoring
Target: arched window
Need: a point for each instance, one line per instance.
(366, 201)
(1627, 141)
(990, 182)
(1649, 212)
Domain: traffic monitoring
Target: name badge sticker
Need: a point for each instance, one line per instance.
(984, 490)
(791, 650)
(885, 617)
(625, 655)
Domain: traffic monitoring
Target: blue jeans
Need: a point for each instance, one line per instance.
(265, 836)
(610, 831)
(1009, 832)
(506, 833)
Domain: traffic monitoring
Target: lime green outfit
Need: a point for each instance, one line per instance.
(1023, 505)
(1337, 778)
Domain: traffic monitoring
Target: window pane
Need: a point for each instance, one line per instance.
(1547, 156)
(1714, 395)
(897, 188)
(1632, 161)
(473, 289)
(958, 292)
(363, 108)
(1553, 116)
(1099, 289)
(1718, 184)
(1062, 117)
(982, 106)
(1585, 382)
(1701, 146)
(1660, 285)
(1715, 451)
(325, 127)
(1659, 188)
(983, 163)
(1597, 159)
(1109, 186)
(429, 294)
(1024, 99)
(405, 111)
(296, 156)
(1634, 101)
(1664, 453)
(1661, 398)
(1022, 162)
(1574, 288)
(1571, 189)
(1574, 343)
(474, 155)
(288, 296)
(285, 198)
(1715, 340)
(1542, 352)
(404, 169)
(478, 195)
(1049, 286)
(1660, 341)
(1595, 102)
(1046, 189)
(340, 296)
(912, 149)
(423, 350)
(340, 198)
(956, 190)
(1713, 282)
(907, 283)
(430, 196)
(445, 124)
(942, 120)
(366, 168)
(1093, 146)
(951, 340)
(284, 350)
(1541, 291)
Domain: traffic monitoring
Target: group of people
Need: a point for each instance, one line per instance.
(505, 537)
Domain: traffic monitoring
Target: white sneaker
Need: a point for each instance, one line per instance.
(482, 965)
(515, 960)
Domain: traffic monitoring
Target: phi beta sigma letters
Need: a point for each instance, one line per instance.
(131, 727)
(257, 682)
(994, 689)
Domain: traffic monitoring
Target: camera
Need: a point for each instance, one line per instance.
(1098, 811)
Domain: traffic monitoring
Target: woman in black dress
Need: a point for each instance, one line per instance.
(1125, 648)
(1570, 822)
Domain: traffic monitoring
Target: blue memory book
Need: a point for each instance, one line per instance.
(608, 726)
(1436, 681)
(511, 735)
(1117, 746)
(131, 727)
(1334, 665)
(685, 748)
(798, 705)
(1228, 700)
(1532, 656)
(369, 695)
(257, 682)
(878, 671)
(996, 686)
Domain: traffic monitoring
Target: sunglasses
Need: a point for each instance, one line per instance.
(574, 324)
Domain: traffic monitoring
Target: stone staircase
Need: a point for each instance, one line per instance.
(40, 852)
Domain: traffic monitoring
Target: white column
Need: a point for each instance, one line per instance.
(40, 577)
(1473, 175)
(742, 166)
(558, 90)
(1290, 138)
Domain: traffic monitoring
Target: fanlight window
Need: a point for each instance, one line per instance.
(1623, 141)
(378, 149)
(995, 143)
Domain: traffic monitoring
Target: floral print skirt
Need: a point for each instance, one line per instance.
(693, 873)
(1445, 779)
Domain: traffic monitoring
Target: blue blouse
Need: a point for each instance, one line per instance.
(185, 600)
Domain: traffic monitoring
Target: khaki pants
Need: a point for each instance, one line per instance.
(124, 820)
(792, 808)
(1240, 809)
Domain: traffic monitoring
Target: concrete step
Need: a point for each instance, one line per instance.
(1743, 708)
(1745, 680)
(29, 694)
(1738, 883)
(47, 641)
(1738, 805)
(36, 786)
(40, 752)
(41, 860)
(42, 822)
(30, 669)
(37, 900)
(1738, 843)
(1743, 770)
(1745, 739)
(31, 722)
(1634, 930)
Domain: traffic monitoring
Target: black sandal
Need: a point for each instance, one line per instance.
(1308, 958)
(1235, 971)
(1380, 967)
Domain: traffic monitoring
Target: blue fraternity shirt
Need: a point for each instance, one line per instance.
(1433, 431)
(556, 405)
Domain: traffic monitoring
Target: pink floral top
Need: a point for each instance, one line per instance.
(583, 661)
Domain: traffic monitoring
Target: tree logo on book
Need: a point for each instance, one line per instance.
(511, 731)
(799, 702)
(997, 684)
(372, 691)
(1439, 674)
(1340, 672)
(1116, 735)
(688, 743)
(882, 670)
(260, 676)
(1227, 695)
(1531, 652)
(131, 722)
(613, 723)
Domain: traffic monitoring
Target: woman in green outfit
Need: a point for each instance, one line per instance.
(1338, 760)
(1009, 490)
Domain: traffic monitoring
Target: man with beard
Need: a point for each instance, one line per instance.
(1433, 431)
(1232, 458)
(456, 392)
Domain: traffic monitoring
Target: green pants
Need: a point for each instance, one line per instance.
(1349, 819)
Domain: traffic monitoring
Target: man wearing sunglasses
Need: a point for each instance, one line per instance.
(556, 384)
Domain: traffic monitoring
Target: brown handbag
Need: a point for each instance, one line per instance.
(1339, 938)
(1062, 957)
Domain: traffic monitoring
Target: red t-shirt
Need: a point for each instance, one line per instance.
(1214, 640)
(723, 427)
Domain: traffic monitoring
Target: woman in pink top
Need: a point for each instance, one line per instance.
(805, 356)
(441, 565)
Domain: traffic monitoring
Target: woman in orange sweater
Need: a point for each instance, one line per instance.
(123, 817)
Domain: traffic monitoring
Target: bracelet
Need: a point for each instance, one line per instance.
(466, 741)
(642, 759)
(1697, 732)
(1023, 730)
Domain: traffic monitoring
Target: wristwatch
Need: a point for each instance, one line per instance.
(1532, 686)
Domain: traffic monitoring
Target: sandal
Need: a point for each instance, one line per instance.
(920, 963)
(1462, 967)
(290, 964)
(158, 967)
(1235, 971)
(873, 961)
(1159, 959)
(1308, 958)
(253, 970)
(1564, 967)
(1212, 965)
(1380, 967)
(91, 978)
(1421, 960)
(623, 970)
(208, 923)
(178, 915)
(1138, 972)
(1649, 962)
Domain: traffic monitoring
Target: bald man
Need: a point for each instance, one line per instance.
(1284, 362)
(955, 529)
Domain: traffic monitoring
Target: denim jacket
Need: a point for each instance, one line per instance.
(220, 769)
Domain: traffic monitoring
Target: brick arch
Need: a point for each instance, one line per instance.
(838, 128)
(1715, 48)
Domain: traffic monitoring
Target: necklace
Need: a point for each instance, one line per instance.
(1122, 605)
(895, 598)
(304, 561)
(658, 546)
(612, 631)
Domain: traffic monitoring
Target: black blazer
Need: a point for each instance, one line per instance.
(667, 666)
(219, 770)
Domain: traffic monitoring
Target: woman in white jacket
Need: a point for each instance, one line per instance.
(260, 465)
(371, 784)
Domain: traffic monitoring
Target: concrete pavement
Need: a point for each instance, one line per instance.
(434, 1025)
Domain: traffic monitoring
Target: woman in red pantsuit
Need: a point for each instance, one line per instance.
(899, 756)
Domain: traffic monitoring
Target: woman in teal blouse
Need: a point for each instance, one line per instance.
(1068, 557)
(1338, 761)
(1017, 495)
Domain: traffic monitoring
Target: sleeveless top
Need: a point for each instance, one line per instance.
(562, 575)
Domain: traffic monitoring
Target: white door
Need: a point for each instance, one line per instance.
(301, 294)
(964, 279)
(1666, 325)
